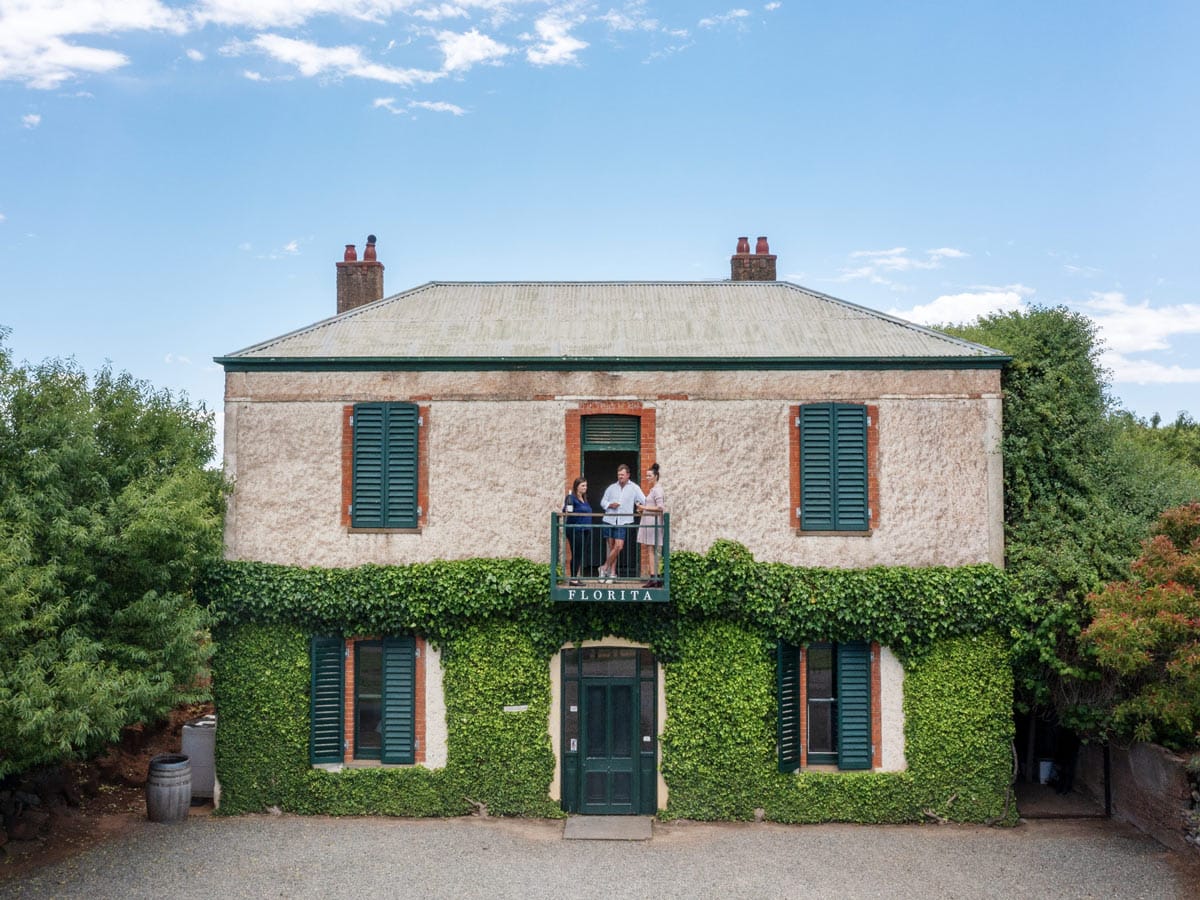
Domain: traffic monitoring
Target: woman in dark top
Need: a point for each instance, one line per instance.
(579, 530)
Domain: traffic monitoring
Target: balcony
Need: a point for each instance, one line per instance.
(578, 550)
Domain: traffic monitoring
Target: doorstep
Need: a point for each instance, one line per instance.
(608, 828)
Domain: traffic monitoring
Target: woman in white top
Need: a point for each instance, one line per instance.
(650, 531)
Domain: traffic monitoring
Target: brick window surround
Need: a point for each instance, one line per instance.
(646, 450)
(794, 468)
(647, 455)
(422, 468)
(876, 712)
(418, 700)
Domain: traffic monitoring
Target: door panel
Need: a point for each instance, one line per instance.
(610, 722)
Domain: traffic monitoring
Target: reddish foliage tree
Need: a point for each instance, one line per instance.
(1145, 635)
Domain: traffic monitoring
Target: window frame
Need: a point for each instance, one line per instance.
(796, 458)
(857, 719)
(355, 522)
(402, 700)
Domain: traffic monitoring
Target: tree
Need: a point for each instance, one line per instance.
(107, 513)
(1081, 491)
(1146, 636)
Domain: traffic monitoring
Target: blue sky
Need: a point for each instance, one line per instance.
(177, 180)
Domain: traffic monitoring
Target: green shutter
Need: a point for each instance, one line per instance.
(850, 467)
(401, 485)
(816, 467)
(367, 507)
(385, 465)
(833, 467)
(399, 692)
(854, 705)
(327, 656)
(787, 689)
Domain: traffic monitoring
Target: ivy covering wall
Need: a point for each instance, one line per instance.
(497, 631)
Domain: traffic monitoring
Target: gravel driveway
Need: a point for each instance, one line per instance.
(266, 857)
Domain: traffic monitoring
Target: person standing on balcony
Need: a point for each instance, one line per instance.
(618, 503)
(650, 532)
(579, 527)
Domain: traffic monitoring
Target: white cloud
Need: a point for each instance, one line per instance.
(251, 75)
(291, 248)
(313, 60)
(291, 13)
(3, 217)
(1145, 371)
(462, 51)
(555, 46)
(1082, 271)
(947, 253)
(440, 12)
(961, 308)
(734, 15)
(1138, 327)
(195, 55)
(632, 18)
(436, 106)
(771, 7)
(388, 103)
(172, 358)
(33, 41)
(897, 259)
(32, 120)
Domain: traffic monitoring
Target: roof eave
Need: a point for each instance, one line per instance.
(594, 363)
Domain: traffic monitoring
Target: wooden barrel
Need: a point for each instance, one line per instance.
(169, 788)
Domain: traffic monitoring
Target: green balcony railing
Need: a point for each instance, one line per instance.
(579, 547)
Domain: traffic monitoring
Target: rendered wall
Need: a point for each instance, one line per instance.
(497, 453)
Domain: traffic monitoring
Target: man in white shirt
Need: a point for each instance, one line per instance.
(618, 504)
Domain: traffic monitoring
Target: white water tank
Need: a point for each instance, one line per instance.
(199, 743)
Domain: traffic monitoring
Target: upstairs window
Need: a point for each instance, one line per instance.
(385, 466)
(834, 477)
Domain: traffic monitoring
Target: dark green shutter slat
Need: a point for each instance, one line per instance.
(787, 684)
(325, 701)
(850, 467)
(368, 483)
(618, 432)
(401, 485)
(399, 691)
(816, 467)
(385, 465)
(854, 705)
(833, 467)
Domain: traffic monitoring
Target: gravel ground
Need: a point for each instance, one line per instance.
(266, 857)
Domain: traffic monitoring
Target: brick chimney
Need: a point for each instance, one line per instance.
(757, 266)
(359, 282)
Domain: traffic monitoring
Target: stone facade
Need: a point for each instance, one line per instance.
(497, 454)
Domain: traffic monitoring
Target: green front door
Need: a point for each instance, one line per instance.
(609, 735)
(609, 731)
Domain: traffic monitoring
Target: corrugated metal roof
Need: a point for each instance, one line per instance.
(606, 320)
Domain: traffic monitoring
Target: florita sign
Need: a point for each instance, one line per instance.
(610, 595)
